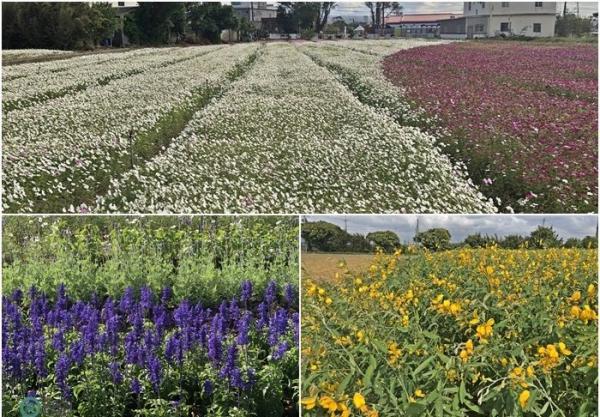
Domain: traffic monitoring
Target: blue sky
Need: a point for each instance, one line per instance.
(359, 8)
(462, 226)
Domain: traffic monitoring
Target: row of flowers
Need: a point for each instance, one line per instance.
(283, 140)
(47, 84)
(147, 352)
(523, 116)
(60, 154)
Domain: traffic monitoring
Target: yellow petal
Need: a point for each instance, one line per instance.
(358, 400)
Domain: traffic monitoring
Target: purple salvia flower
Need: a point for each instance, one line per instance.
(135, 386)
(61, 371)
(290, 294)
(271, 293)
(115, 372)
(263, 315)
(242, 328)
(246, 291)
(280, 351)
(207, 387)
(155, 372)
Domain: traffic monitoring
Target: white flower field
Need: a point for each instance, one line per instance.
(277, 127)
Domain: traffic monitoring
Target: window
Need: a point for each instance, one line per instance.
(505, 27)
(479, 28)
(539, 3)
(483, 4)
(121, 3)
(469, 5)
(504, 4)
(537, 28)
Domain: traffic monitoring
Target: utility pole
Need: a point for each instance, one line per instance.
(346, 224)
(577, 9)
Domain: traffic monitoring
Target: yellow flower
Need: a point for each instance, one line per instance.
(575, 311)
(530, 371)
(576, 296)
(563, 349)
(328, 301)
(344, 409)
(309, 403)
(328, 403)
(358, 400)
(484, 331)
(469, 346)
(591, 290)
(523, 398)
(419, 393)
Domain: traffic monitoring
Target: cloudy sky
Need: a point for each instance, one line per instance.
(359, 8)
(462, 226)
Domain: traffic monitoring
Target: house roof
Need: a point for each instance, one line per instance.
(420, 18)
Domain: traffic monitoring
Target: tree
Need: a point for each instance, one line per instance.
(434, 239)
(324, 10)
(387, 240)
(571, 25)
(157, 21)
(512, 242)
(589, 242)
(208, 20)
(301, 16)
(544, 237)
(104, 22)
(324, 236)
(573, 242)
(378, 12)
(56, 25)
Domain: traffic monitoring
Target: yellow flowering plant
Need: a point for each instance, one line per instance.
(464, 332)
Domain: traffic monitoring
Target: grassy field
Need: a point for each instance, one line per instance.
(324, 266)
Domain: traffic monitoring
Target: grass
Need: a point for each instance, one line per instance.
(324, 266)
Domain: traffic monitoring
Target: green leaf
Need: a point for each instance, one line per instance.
(343, 385)
(370, 371)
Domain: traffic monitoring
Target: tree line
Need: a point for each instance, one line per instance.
(69, 25)
(327, 237)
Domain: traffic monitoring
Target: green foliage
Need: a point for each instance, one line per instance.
(395, 335)
(207, 20)
(479, 241)
(323, 236)
(200, 257)
(544, 237)
(387, 240)
(156, 22)
(571, 25)
(70, 25)
(434, 239)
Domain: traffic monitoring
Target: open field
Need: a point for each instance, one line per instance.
(239, 129)
(457, 333)
(523, 116)
(324, 266)
(88, 138)
(152, 317)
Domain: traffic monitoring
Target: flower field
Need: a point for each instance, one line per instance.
(456, 333)
(522, 116)
(214, 332)
(220, 129)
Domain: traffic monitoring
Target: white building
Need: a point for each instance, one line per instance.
(488, 19)
(255, 11)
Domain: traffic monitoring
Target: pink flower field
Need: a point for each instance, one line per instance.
(522, 116)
